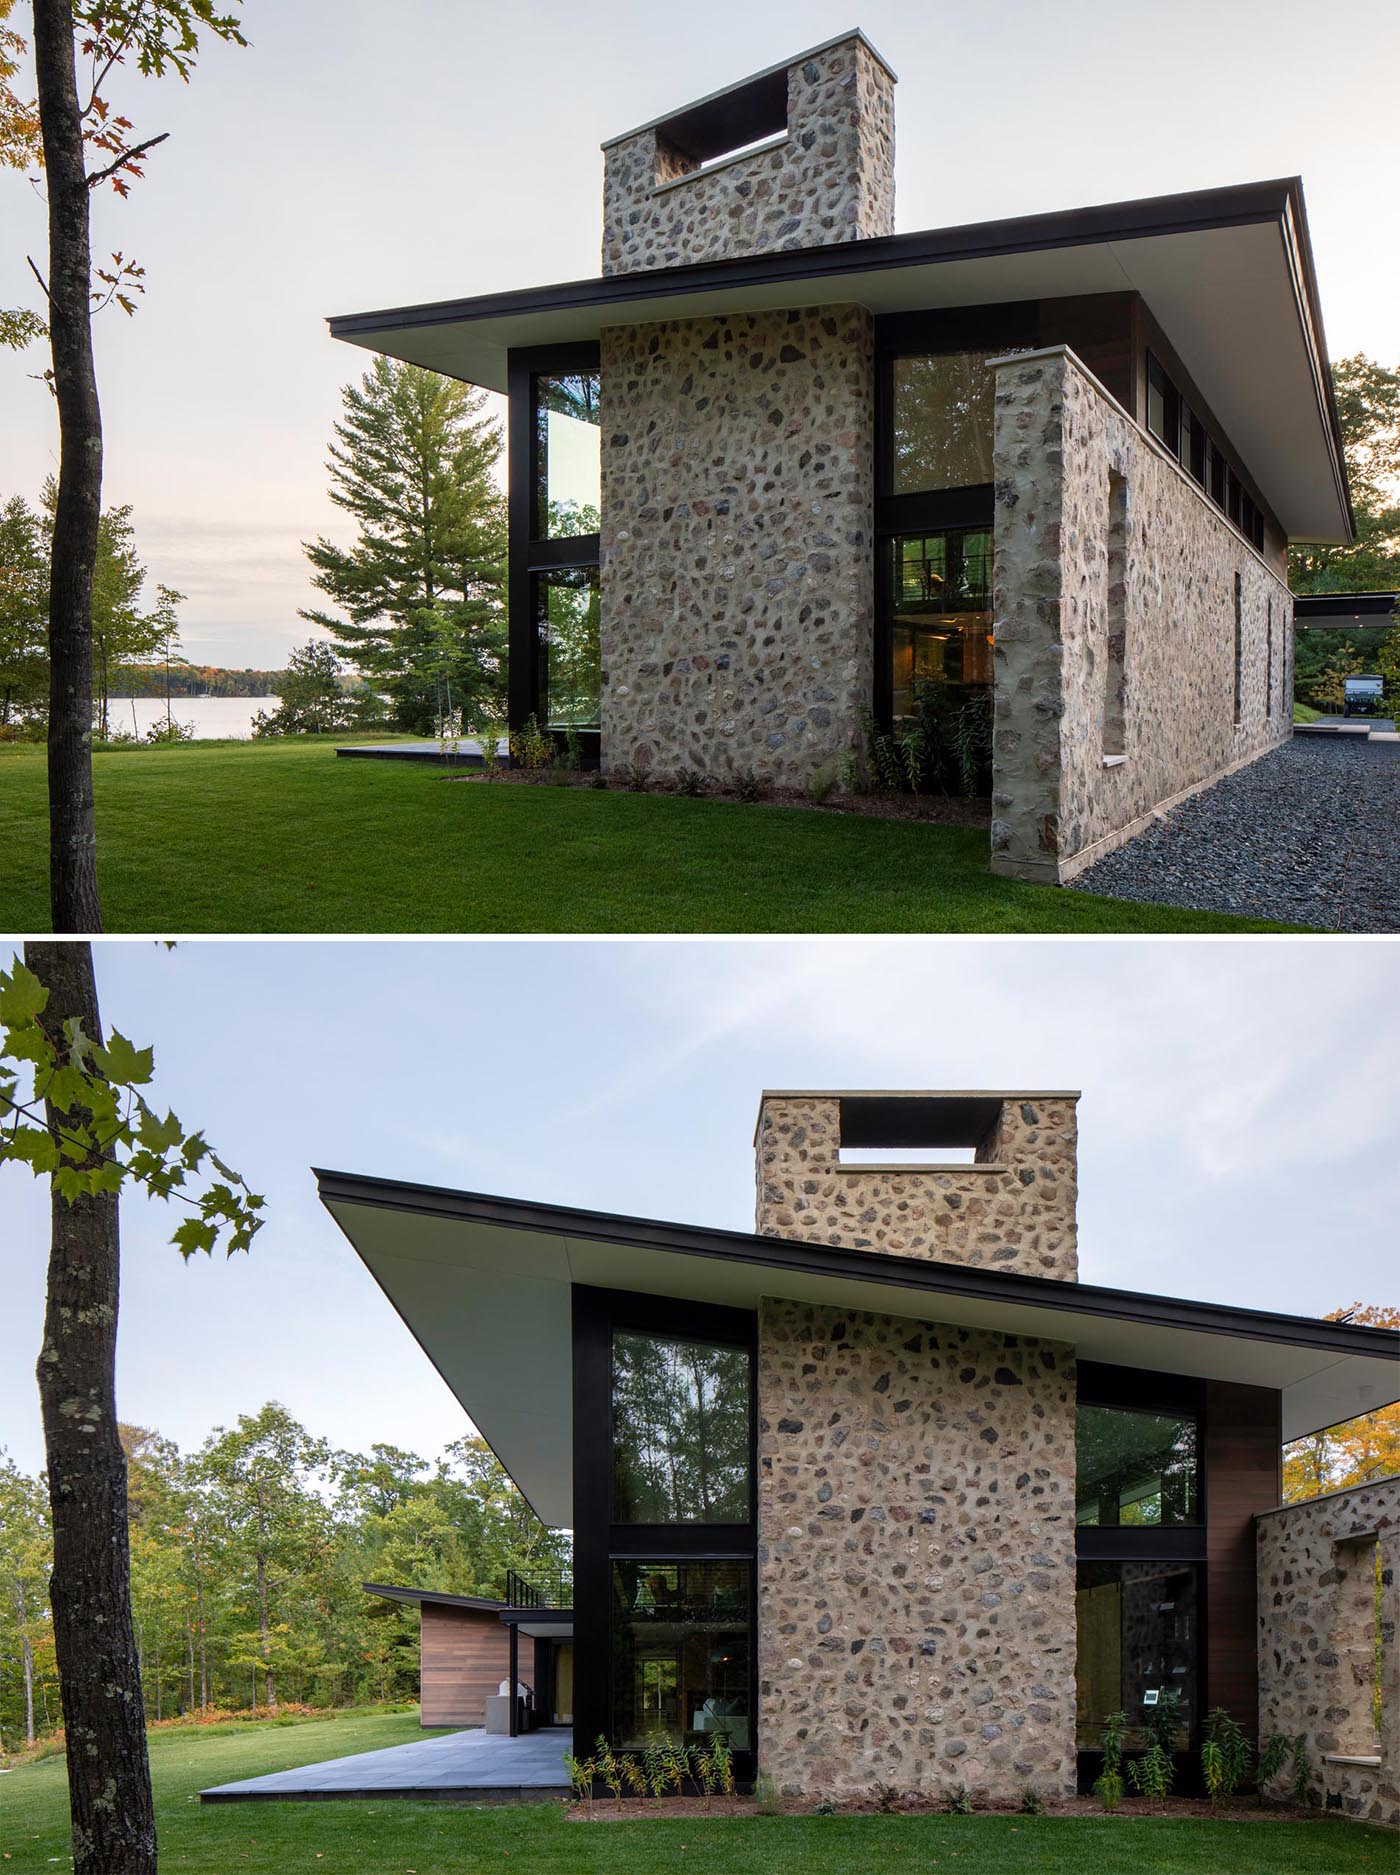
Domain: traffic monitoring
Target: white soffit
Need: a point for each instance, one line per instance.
(490, 1305)
(1226, 298)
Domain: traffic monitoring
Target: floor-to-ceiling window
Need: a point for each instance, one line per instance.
(664, 1522)
(934, 503)
(555, 504)
(1139, 1590)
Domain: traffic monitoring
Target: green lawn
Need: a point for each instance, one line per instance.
(1305, 713)
(271, 837)
(391, 1838)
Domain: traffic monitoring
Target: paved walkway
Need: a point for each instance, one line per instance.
(473, 1765)
(1309, 835)
(467, 752)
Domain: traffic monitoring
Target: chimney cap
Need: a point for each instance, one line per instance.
(703, 108)
(900, 1103)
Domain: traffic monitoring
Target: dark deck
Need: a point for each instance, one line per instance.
(464, 1767)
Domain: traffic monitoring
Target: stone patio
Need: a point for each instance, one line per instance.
(467, 1766)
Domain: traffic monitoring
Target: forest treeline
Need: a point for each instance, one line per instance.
(248, 1557)
(195, 680)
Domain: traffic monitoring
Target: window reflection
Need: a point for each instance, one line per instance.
(568, 463)
(1137, 1641)
(680, 1431)
(942, 625)
(681, 1653)
(1134, 1468)
(943, 422)
(571, 675)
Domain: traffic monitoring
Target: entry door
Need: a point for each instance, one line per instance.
(563, 1683)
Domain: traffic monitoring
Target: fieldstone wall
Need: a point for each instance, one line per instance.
(737, 577)
(1317, 1617)
(916, 1557)
(1014, 1209)
(1116, 585)
(831, 178)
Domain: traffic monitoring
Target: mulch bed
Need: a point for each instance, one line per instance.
(940, 810)
(636, 1809)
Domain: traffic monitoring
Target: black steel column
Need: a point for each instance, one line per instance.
(514, 1679)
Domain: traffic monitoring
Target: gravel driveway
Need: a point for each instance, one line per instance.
(1309, 834)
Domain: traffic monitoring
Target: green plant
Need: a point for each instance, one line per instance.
(886, 1798)
(848, 771)
(488, 734)
(633, 1775)
(723, 1760)
(1032, 1803)
(531, 746)
(705, 1774)
(1273, 1755)
(825, 1808)
(573, 748)
(748, 786)
(690, 781)
(1151, 1775)
(957, 1800)
(1108, 1786)
(677, 1766)
(609, 1768)
(170, 729)
(821, 785)
(1302, 1773)
(654, 1768)
(632, 776)
(582, 1772)
(1225, 1755)
(597, 779)
(766, 1796)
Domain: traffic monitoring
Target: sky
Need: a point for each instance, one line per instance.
(360, 156)
(1239, 1126)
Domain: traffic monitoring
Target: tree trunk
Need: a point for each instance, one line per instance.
(73, 893)
(28, 1691)
(109, 1784)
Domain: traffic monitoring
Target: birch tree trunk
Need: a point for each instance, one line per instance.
(109, 1784)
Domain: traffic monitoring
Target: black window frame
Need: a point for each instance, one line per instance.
(598, 1541)
(530, 556)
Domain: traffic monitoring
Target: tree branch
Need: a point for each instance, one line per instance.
(40, 278)
(127, 156)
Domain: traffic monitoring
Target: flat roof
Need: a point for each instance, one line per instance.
(1227, 272)
(475, 1604)
(1337, 609)
(484, 1284)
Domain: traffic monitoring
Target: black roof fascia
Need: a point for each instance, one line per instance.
(1192, 212)
(516, 1615)
(1344, 604)
(484, 1604)
(873, 1266)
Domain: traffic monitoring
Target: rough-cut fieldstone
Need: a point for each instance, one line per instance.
(916, 1579)
(1019, 1216)
(1159, 577)
(1317, 1630)
(831, 178)
(737, 621)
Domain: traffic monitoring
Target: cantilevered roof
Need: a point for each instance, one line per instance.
(1227, 273)
(1335, 610)
(484, 1283)
(393, 1592)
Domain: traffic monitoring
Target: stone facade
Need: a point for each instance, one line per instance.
(1013, 1209)
(916, 1557)
(1120, 595)
(1317, 1624)
(737, 582)
(830, 178)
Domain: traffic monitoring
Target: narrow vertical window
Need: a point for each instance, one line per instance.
(1116, 620)
(1239, 647)
(1269, 661)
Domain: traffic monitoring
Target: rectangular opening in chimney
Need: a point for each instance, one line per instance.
(731, 124)
(917, 1130)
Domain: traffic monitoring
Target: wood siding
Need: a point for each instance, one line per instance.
(1242, 1470)
(465, 1655)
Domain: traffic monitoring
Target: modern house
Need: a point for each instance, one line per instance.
(881, 1490)
(778, 470)
(469, 1647)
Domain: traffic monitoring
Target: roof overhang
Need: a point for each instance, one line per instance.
(437, 1598)
(1334, 610)
(1227, 273)
(484, 1285)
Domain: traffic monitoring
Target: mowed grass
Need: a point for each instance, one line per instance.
(286, 837)
(392, 1838)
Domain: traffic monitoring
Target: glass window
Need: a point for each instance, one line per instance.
(1135, 1468)
(681, 1647)
(571, 667)
(942, 626)
(1163, 406)
(943, 422)
(1137, 1643)
(680, 1419)
(568, 462)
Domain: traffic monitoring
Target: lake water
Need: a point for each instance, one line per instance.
(212, 717)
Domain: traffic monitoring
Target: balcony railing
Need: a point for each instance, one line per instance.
(542, 1588)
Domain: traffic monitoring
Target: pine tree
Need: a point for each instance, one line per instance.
(424, 584)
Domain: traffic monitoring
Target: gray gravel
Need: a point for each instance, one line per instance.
(1309, 834)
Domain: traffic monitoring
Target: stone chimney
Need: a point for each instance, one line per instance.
(800, 155)
(863, 1171)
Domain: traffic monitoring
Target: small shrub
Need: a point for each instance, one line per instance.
(957, 1800)
(848, 771)
(531, 747)
(654, 1769)
(1108, 1786)
(1302, 1776)
(1225, 1756)
(1032, 1803)
(748, 786)
(825, 1808)
(1273, 1755)
(820, 786)
(489, 736)
(573, 749)
(632, 776)
(609, 1768)
(690, 781)
(766, 1797)
(582, 1772)
(633, 1776)
(886, 1798)
(170, 730)
(705, 1774)
(1152, 1774)
(597, 779)
(722, 1759)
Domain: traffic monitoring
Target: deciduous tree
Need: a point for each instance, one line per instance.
(1368, 412)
